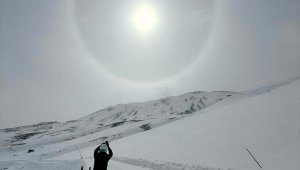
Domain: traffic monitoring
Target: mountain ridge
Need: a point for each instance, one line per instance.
(114, 122)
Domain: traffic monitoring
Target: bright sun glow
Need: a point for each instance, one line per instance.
(144, 18)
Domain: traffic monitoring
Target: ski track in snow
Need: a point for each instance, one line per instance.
(160, 165)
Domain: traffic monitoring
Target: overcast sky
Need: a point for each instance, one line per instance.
(61, 60)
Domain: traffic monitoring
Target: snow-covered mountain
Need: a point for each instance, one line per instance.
(136, 117)
(216, 129)
(268, 125)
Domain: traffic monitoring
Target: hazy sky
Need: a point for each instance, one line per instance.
(60, 60)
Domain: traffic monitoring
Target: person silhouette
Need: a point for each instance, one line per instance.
(101, 157)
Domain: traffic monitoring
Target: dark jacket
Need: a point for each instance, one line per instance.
(101, 159)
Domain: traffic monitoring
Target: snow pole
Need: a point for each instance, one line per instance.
(81, 157)
(254, 158)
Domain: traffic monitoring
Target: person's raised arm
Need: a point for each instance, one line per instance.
(96, 151)
(110, 153)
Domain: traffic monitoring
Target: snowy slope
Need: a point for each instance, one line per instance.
(45, 165)
(63, 165)
(266, 121)
(111, 123)
(267, 124)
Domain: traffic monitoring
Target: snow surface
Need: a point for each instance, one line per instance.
(267, 124)
(49, 139)
(194, 131)
(63, 165)
(158, 112)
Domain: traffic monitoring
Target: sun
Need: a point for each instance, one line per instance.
(144, 40)
(144, 19)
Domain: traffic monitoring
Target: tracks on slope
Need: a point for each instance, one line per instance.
(161, 165)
